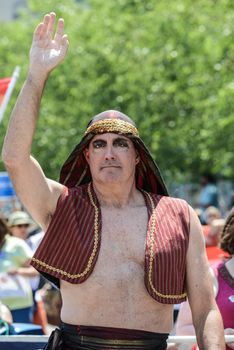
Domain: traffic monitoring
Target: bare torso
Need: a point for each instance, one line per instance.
(115, 295)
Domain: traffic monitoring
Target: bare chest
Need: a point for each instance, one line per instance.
(123, 235)
(117, 281)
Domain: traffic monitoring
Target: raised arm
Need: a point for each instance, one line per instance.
(206, 316)
(37, 193)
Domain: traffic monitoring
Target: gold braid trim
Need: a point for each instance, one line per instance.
(96, 239)
(152, 242)
(112, 125)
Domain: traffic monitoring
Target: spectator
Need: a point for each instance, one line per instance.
(40, 312)
(19, 223)
(208, 195)
(6, 320)
(5, 314)
(15, 290)
(223, 278)
(213, 227)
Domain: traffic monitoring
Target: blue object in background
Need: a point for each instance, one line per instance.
(21, 329)
(21, 345)
(6, 188)
(27, 328)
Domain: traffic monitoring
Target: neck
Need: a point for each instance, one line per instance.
(117, 195)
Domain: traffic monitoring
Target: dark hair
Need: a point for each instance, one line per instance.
(209, 177)
(4, 230)
(227, 235)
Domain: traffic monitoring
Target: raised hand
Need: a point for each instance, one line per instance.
(48, 50)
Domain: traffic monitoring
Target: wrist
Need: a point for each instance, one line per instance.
(37, 78)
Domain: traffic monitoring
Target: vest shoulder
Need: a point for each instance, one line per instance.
(78, 191)
(169, 200)
(73, 196)
(172, 206)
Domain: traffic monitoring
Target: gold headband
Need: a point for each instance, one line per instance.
(112, 125)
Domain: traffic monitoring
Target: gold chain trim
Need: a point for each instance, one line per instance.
(96, 239)
(152, 242)
(112, 125)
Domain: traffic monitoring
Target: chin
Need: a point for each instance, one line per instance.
(110, 179)
(110, 176)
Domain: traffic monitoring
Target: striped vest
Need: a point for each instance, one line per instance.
(70, 247)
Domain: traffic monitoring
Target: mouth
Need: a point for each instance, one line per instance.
(110, 166)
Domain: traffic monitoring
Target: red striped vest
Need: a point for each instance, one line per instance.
(71, 244)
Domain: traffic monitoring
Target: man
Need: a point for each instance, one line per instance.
(122, 256)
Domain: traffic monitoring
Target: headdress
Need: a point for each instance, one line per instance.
(75, 170)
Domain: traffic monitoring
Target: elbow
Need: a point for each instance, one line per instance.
(9, 160)
(12, 158)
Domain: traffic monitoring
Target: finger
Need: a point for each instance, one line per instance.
(50, 26)
(37, 31)
(64, 44)
(46, 23)
(59, 32)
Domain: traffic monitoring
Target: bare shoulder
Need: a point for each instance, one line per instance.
(196, 238)
(195, 227)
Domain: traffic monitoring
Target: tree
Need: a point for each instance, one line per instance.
(168, 65)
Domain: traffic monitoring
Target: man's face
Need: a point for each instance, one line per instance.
(112, 158)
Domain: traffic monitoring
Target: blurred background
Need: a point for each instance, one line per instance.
(169, 65)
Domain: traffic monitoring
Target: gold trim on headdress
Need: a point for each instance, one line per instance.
(112, 125)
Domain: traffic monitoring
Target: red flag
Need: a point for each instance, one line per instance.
(6, 87)
(4, 83)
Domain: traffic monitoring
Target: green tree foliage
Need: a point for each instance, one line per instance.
(167, 64)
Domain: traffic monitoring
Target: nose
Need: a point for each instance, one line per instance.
(109, 154)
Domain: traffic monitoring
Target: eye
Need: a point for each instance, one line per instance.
(98, 144)
(121, 143)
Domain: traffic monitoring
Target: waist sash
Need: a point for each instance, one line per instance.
(87, 337)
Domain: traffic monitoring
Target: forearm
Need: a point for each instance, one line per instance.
(27, 271)
(209, 331)
(18, 140)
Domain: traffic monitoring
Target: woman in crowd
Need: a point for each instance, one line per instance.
(223, 277)
(15, 290)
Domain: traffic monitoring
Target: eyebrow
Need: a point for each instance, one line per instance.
(115, 140)
(120, 139)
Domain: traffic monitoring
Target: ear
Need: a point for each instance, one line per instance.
(86, 154)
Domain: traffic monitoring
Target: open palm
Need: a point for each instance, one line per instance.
(48, 49)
